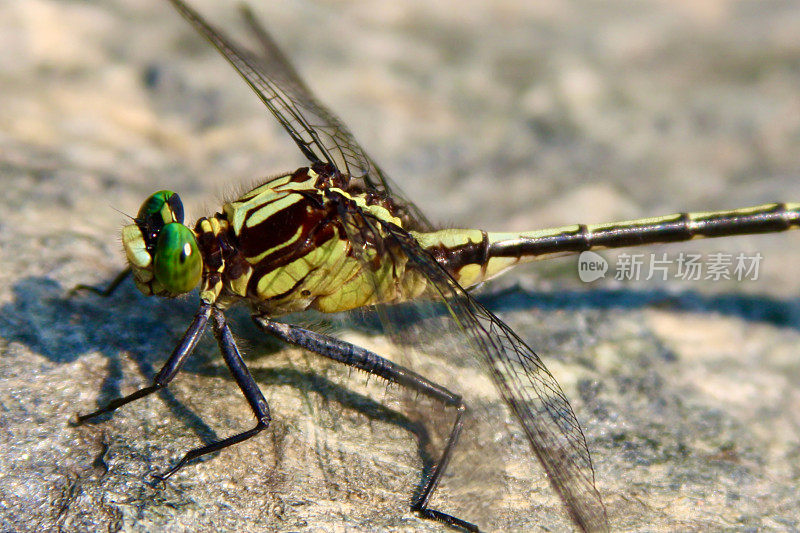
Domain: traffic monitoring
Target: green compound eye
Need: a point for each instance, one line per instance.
(177, 264)
(163, 205)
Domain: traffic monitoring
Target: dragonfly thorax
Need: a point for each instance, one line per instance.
(161, 251)
(282, 247)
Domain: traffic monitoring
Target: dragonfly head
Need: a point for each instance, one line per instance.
(161, 251)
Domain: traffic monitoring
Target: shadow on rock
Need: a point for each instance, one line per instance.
(63, 327)
(753, 308)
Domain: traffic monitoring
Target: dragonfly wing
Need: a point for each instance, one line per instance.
(523, 381)
(318, 132)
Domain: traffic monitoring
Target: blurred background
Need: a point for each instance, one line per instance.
(499, 115)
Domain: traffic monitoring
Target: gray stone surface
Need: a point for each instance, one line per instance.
(502, 115)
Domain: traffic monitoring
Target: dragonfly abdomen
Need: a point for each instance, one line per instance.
(473, 256)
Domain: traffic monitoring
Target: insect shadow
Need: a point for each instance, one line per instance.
(778, 312)
(62, 328)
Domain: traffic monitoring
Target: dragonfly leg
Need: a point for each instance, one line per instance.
(373, 363)
(167, 372)
(116, 282)
(258, 404)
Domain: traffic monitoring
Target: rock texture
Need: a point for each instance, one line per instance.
(503, 115)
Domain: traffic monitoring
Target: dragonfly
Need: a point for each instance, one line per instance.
(338, 235)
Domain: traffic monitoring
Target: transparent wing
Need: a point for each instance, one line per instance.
(319, 134)
(527, 387)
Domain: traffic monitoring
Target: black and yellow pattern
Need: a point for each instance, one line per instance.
(287, 250)
(336, 236)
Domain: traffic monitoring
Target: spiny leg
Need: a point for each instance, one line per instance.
(116, 282)
(248, 386)
(167, 372)
(371, 362)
